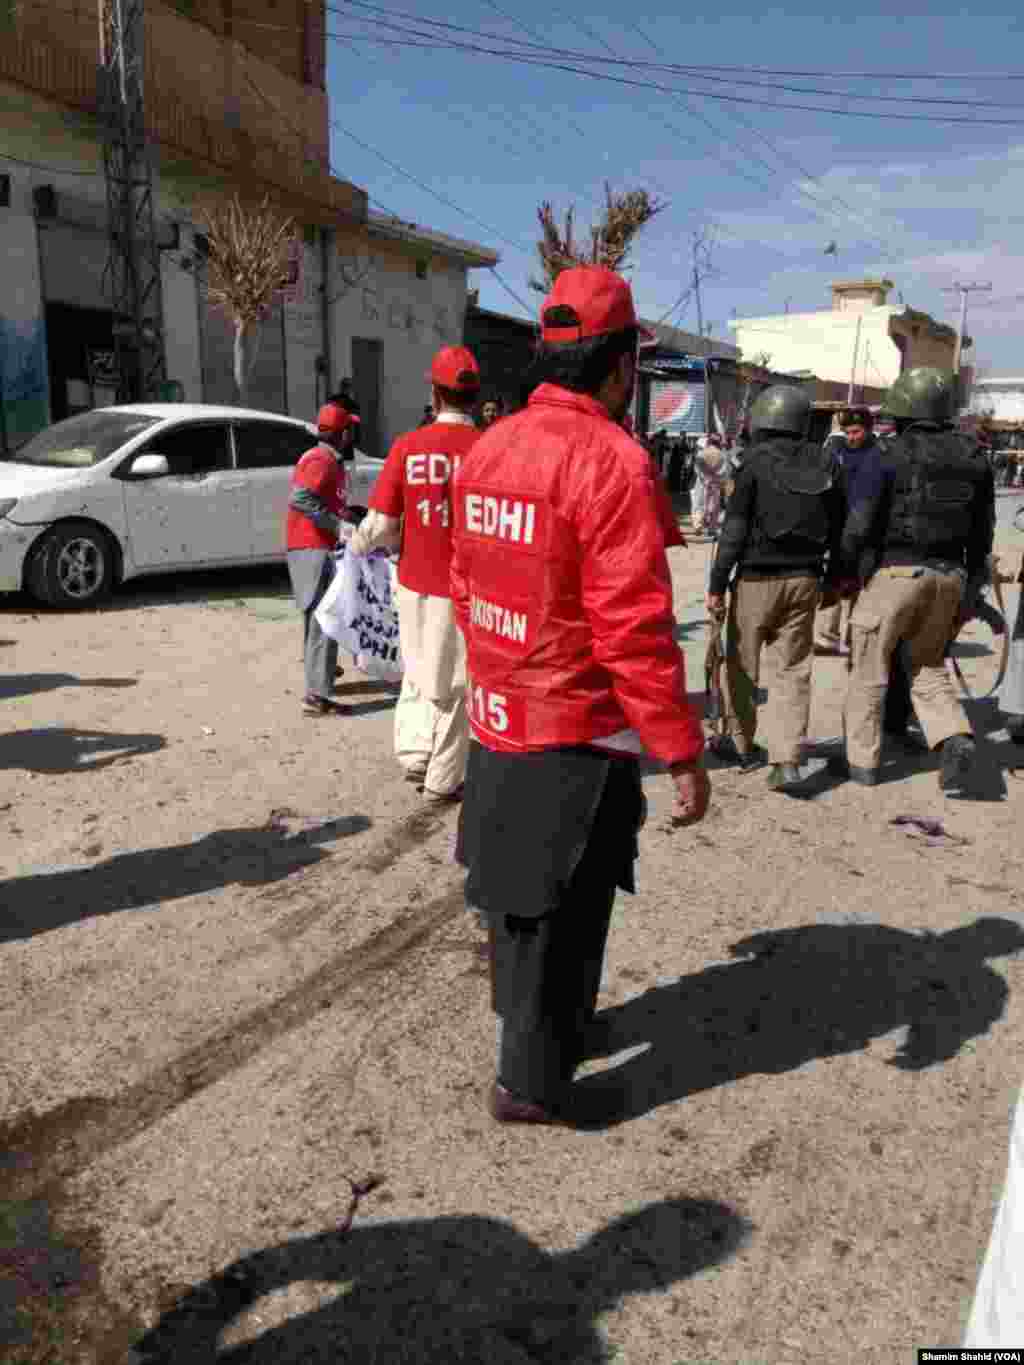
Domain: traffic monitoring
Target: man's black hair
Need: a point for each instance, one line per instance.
(856, 417)
(583, 366)
(461, 401)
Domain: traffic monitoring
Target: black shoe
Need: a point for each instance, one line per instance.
(841, 767)
(726, 751)
(957, 761)
(783, 777)
(509, 1108)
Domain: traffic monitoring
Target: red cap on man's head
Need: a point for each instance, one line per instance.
(455, 368)
(333, 419)
(587, 301)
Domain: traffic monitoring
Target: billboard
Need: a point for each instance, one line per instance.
(678, 407)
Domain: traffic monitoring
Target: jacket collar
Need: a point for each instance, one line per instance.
(566, 398)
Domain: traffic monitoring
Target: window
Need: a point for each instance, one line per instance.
(270, 445)
(192, 450)
(82, 441)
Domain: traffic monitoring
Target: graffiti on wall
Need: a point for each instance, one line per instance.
(24, 382)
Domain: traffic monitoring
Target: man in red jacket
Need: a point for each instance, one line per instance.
(316, 505)
(562, 590)
(411, 506)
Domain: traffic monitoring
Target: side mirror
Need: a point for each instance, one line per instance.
(149, 466)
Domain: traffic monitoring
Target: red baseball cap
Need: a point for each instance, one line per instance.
(333, 419)
(588, 301)
(455, 367)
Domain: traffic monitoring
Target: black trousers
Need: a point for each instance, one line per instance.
(545, 976)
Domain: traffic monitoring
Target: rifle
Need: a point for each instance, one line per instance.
(996, 620)
(714, 657)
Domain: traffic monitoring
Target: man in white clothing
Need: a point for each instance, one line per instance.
(410, 507)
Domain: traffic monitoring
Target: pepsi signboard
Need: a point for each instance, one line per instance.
(677, 407)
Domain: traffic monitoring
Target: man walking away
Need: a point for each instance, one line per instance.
(782, 523)
(316, 507)
(855, 445)
(929, 503)
(411, 506)
(562, 589)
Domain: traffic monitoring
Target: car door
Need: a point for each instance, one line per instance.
(199, 512)
(267, 452)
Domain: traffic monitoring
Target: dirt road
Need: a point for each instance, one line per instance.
(237, 973)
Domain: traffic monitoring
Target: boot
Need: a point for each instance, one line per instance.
(957, 761)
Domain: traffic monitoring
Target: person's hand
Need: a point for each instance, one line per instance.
(715, 603)
(693, 792)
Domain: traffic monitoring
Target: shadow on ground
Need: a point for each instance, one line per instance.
(129, 881)
(25, 684)
(56, 750)
(814, 991)
(459, 1290)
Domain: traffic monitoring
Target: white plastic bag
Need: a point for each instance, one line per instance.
(358, 611)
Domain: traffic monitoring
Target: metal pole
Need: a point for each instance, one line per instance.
(853, 368)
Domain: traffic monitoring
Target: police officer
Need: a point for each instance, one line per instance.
(562, 590)
(929, 506)
(782, 523)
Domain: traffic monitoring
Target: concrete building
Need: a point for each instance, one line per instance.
(999, 398)
(235, 102)
(862, 339)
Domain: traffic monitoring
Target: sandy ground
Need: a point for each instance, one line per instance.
(237, 975)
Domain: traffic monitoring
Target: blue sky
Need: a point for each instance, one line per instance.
(925, 203)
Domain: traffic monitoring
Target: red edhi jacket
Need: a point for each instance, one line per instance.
(562, 590)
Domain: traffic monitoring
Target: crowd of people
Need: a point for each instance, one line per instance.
(536, 619)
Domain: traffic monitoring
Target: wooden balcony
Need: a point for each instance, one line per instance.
(189, 140)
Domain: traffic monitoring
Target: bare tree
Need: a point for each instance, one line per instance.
(248, 263)
(610, 239)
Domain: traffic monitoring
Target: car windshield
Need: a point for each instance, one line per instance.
(82, 441)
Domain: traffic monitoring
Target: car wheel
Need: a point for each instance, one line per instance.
(72, 566)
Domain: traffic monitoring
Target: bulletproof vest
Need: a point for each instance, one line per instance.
(793, 478)
(937, 475)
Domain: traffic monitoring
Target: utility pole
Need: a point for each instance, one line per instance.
(853, 367)
(134, 262)
(963, 290)
(700, 310)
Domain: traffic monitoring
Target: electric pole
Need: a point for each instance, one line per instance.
(963, 290)
(134, 262)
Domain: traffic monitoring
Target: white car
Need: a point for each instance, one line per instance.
(150, 488)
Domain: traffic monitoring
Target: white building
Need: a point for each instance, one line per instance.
(375, 297)
(1001, 399)
(862, 339)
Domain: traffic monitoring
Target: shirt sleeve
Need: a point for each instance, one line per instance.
(388, 494)
(739, 513)
(983, 523)
(375, 531)
(627, 598)
(312, 506)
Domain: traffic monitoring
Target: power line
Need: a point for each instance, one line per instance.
(50, 170)
(551, 62)
(441, 198)
(509, 290)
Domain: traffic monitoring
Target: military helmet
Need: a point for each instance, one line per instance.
(921, 395)
(783, 407)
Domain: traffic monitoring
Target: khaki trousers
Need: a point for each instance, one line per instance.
(777, 612)
(918, 607)
(432, 738)
(828, 626)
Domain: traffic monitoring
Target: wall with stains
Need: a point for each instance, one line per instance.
(377, 295)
